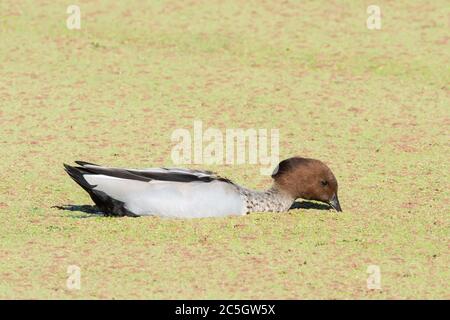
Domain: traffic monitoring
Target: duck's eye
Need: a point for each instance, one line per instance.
(324, 182)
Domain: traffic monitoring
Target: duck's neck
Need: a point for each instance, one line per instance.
(271, 200)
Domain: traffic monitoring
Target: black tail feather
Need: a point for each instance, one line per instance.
(76, 173)
(103, 201)
(83, 163)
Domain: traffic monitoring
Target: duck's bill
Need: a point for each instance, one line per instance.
(334, 203)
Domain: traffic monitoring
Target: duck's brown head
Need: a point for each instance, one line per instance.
(307, 179)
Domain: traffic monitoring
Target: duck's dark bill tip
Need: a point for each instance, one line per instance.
(334, 203)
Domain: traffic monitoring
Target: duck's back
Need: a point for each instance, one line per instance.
(174, 193)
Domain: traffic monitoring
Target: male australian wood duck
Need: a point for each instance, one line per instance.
(184, 193)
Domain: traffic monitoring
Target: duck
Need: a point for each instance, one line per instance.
(188, 193)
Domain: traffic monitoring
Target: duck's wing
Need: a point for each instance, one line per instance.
(149, 174)
(120, 191)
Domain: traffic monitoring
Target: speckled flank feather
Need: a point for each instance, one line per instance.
(271, 200)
